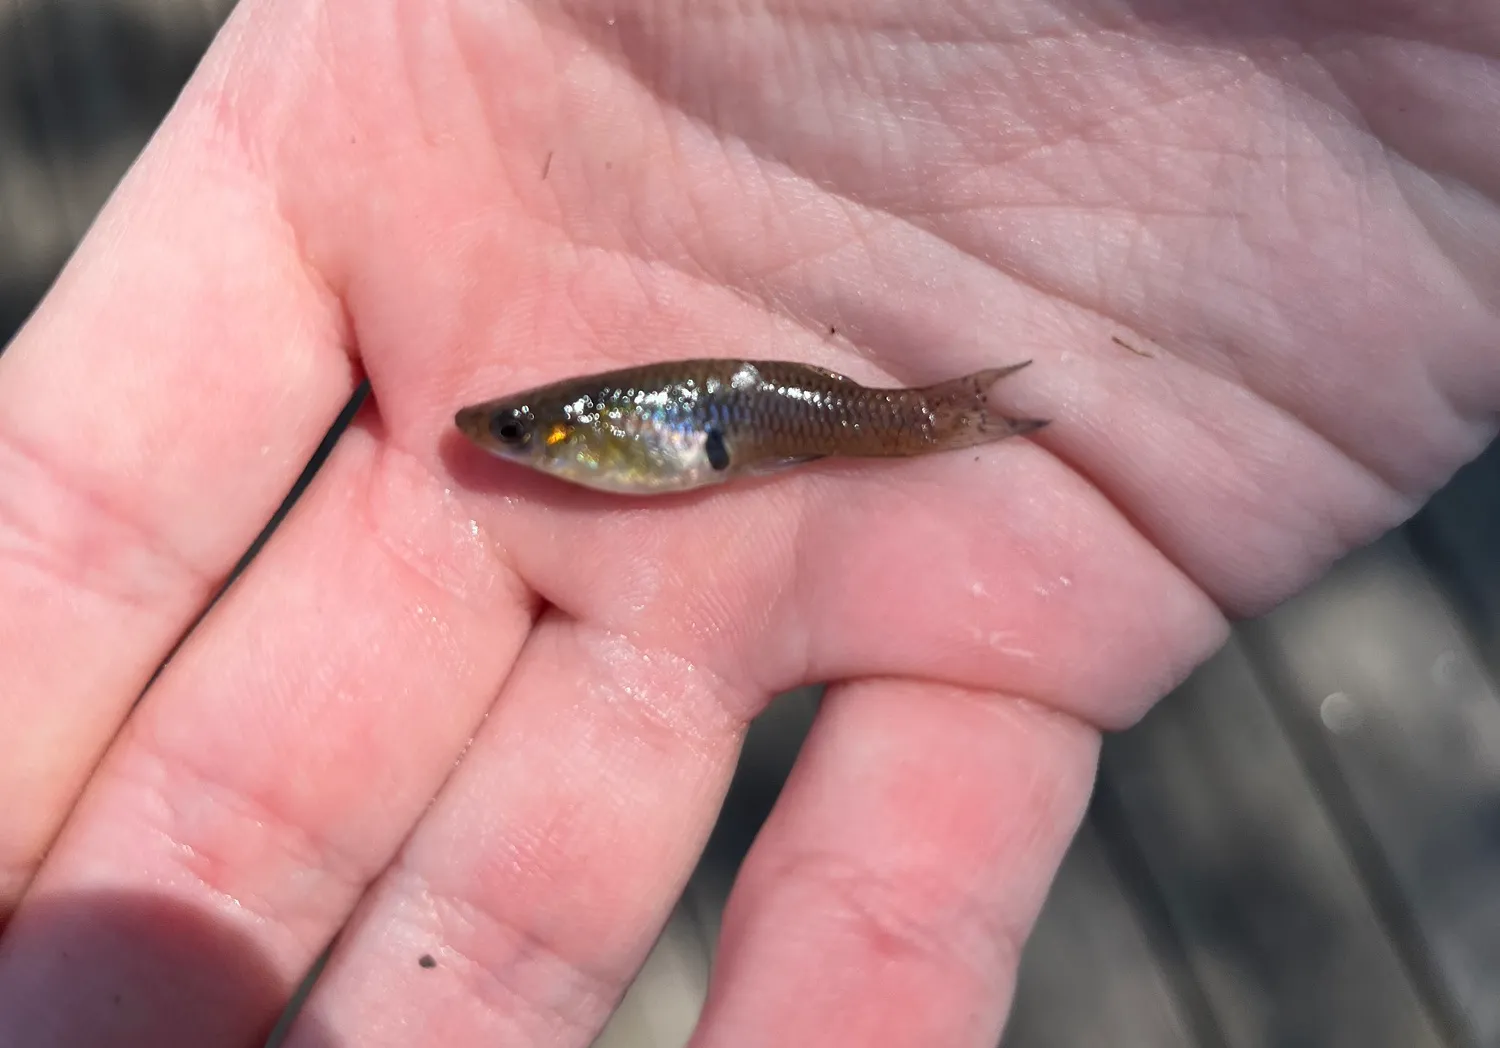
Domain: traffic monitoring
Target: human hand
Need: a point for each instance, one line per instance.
(1282, 215)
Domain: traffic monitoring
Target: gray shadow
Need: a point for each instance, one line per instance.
(135, 971)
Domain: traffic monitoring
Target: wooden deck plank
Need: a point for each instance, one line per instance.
(83, 84)
(1259, 890)
(103, 75)
(1088, 974)
(69, 75)
(1384, 689)
(34, 239)
(664, 1002)
(771, 746)
(1457, 535)
(216, 12)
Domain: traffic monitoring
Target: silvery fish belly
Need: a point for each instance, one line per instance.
(687, 424)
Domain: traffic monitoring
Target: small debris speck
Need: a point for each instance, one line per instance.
(427, 960)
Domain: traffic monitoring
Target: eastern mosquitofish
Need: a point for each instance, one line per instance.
(687, 424)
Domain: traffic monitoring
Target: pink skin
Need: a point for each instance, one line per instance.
(1289, 219)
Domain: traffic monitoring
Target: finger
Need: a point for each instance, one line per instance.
(887, 897)
(277, 763)
(153, 414)
(530, 895)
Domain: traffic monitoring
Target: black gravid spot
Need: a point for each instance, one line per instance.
(717, 452)
(427, 960)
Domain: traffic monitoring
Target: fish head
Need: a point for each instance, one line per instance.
(589, 440)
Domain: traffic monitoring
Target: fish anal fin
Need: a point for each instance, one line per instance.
(777, 465)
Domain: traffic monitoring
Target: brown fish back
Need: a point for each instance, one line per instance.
(796, 412)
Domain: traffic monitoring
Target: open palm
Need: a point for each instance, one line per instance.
(482, 721)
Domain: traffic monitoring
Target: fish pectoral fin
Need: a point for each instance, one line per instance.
(776, 465)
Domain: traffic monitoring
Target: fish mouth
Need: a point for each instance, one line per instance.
(470, 422)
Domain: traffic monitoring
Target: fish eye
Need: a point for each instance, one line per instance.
(509, 428)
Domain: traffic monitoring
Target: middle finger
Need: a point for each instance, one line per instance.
(529, 896)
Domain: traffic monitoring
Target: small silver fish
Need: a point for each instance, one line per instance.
(681, 425)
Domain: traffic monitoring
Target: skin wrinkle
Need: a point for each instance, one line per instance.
(701, 220)
(1229, 605)
(336, 869)
(110, 535)
(328, 75)
(870, 905)
(1206, 423)
(1077, 133)
(408, 48)
(336, 306)
(1088, 133)
(869, 902)
(585, 16)
(1214, 368)
(656, 716)
(1351, 114)
(772, 308)
(497, 983)
(1431, 170)
(205, 581)
(218, 110)
(451, 580)
(1193, 362)
(705, 280)
(789, 607)
(784, 621)
(1475, 414)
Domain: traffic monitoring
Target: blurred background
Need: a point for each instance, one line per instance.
(1299, 848)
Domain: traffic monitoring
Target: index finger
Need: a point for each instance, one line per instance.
(153, 413)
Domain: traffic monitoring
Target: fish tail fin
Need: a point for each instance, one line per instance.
(964, 415)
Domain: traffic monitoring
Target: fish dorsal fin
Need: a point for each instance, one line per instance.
(826, 373)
